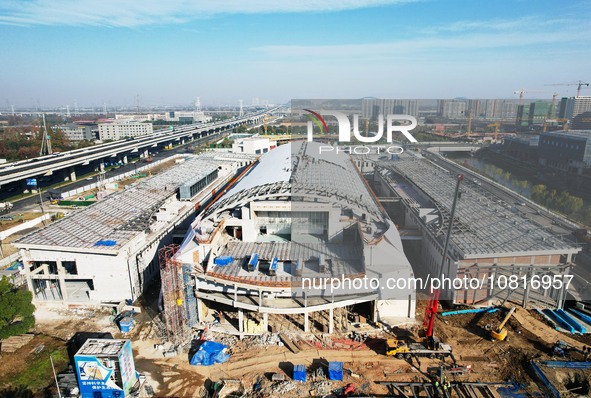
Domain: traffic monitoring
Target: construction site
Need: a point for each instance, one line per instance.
(269, 291)
(237, 279)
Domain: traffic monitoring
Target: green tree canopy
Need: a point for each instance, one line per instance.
(16, 310)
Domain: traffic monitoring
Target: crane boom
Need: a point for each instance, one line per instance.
(433, 302)
(579, 84)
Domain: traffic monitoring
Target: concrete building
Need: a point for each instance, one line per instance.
(582, 121)
(105, 368)
(522, 148)
(261, 254)
(491, 241)
(452, 109)
(107, 252)
(567, 151)
(76, 132)
(117, 130)
(253, 145)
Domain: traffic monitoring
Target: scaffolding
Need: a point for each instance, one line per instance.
(173, 295)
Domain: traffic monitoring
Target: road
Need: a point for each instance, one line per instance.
(33, 201)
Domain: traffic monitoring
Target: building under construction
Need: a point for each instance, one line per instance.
(107, 252)
(266, 255)
(491, 241)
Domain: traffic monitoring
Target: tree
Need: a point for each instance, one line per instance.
(539, 193)
(16, 310)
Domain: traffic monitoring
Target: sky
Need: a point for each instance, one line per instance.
(61, 52)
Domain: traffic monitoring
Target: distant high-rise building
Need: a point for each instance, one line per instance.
(476, 108)
(452, 109)
(571, 107)
(538, 112)
(582, 104)
(371, 108)
(500, 109)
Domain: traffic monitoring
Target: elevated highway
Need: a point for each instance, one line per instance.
(118, 151)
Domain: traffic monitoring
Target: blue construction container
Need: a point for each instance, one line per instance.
(126, 324)
(223, 260)
(273, 267)
(253, 263)
(299, 373)
(335, 370)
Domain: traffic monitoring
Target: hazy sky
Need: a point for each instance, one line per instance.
(55, 52)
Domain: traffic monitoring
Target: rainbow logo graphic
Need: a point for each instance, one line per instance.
(319, 120)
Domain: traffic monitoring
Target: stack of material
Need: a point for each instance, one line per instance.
(13, 343)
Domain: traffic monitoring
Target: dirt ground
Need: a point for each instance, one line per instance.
(255, 360)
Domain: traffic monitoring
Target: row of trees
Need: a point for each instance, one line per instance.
(570, 205)
(562, 201)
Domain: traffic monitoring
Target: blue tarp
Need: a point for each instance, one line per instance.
(335, 370)
(210, 353)
(106, 242)
(299, 373)
(223, 260)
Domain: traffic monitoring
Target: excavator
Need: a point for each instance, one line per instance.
(500, 332)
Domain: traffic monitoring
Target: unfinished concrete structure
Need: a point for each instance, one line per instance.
(107, 252)
(490, 237)
(263, 250)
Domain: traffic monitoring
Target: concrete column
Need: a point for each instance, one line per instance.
(125, 159)
(145, 154)
(374, 315)
(266, 321)
(528, 275)
(27, 266)
(61, 272)
(331, 320)
(306, 323)
(72, 174)
(260, 298)
(241, 321)
(235, 293)
(200, 317)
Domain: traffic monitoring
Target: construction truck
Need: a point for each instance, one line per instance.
(401, 349)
